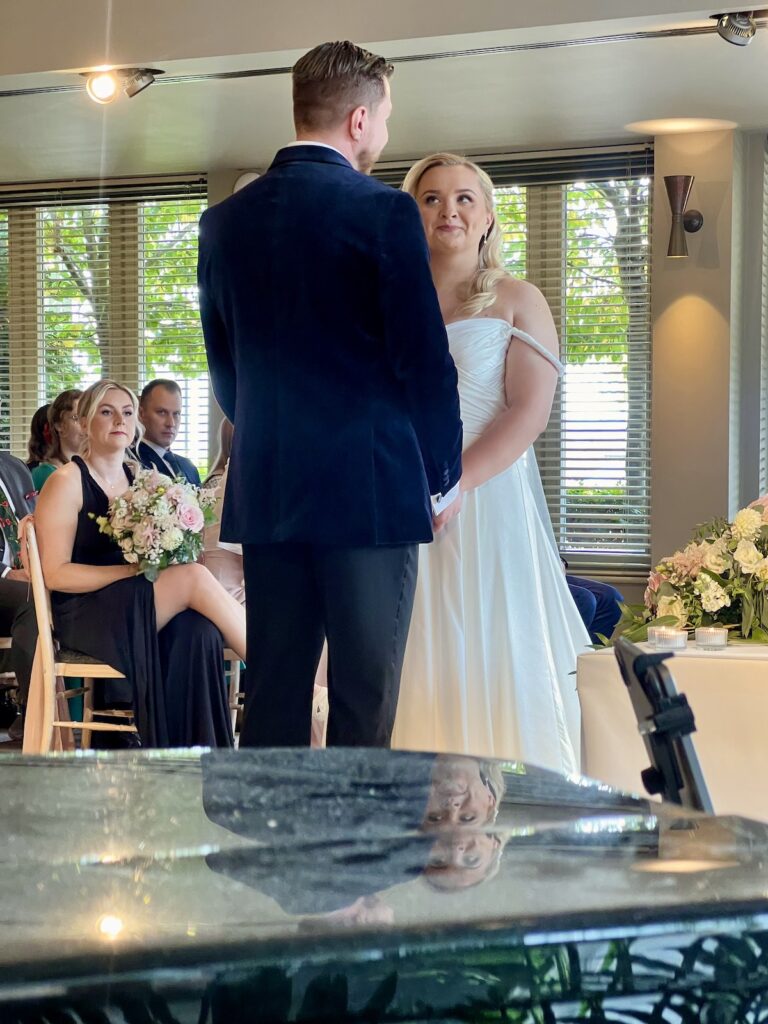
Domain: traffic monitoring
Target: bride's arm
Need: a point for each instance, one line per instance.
(56, 525)
(530, 383)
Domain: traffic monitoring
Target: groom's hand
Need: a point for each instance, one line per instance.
(439, 522)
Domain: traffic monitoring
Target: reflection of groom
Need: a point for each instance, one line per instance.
(327, 351)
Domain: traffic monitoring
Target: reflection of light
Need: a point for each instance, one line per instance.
(682, 867)
(110, 926)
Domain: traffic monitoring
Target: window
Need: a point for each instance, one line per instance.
(103, 285)
(578, 227)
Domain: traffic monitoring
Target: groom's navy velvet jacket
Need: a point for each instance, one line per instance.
(328, 352)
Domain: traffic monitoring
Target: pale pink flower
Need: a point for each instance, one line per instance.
(655, 579)
(144, 535)
(175, 493)
(190, 518)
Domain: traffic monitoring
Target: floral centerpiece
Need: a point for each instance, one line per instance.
(720, 578)
(159, 522)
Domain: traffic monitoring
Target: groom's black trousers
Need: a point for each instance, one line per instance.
(360, 599)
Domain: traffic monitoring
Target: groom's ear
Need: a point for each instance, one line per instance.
(357, 122)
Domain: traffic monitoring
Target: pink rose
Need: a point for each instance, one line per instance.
(190, 518)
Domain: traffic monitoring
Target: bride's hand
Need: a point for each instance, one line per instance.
(440, 522)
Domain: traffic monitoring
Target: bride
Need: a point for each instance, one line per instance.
(491, 656)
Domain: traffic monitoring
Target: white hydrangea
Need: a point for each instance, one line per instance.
(746, 524)
(713, 596)
(747, 555)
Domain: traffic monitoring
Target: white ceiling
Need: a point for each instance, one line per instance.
(574, 95)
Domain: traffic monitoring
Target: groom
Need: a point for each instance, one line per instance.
(328, 353)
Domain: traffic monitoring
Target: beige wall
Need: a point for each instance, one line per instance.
(691, 311)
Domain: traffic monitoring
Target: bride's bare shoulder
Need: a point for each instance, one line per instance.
(516, 297)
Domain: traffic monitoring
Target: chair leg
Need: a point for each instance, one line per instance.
(234, 689)
(85, 737)
(38, 729)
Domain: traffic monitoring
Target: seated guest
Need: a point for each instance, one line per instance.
(598, 604)
(160, 416)
(224, 560)
(39, 437)
(17, 613)
(166, 636)
(65, 433)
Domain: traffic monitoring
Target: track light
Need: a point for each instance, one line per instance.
(103, 86)
(738, 28)
(141, 79)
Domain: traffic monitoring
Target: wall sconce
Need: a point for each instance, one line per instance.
(679, 190)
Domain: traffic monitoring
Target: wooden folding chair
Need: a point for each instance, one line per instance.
(235, 694)
(48, 725)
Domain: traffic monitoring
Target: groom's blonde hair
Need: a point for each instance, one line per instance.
(481, 291)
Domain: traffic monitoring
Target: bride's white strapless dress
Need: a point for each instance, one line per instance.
(491, 656)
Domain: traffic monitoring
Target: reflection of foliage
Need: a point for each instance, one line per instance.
(84, 326)
(718, 978)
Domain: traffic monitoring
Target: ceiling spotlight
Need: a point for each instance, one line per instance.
(102, 86)
(138, 79)
(738, 29)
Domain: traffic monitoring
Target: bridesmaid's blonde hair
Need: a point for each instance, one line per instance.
(481, 290)
(89, 403)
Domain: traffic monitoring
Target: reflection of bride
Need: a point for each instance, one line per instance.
(464, 799)
(495, 633)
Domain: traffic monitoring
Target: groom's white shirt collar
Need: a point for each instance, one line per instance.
(310, 142)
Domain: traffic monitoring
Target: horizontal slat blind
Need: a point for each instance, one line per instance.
(578, 225)
(101, 282)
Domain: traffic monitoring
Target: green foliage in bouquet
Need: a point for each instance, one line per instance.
(720, 578)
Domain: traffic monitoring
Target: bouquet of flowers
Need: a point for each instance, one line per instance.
(159, 522)
(719, 578)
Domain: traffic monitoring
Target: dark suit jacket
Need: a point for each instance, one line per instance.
(17, 480)
(149, 458)
(328, 352)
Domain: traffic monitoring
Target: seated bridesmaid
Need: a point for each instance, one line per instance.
(65, 434)
(166, 637)
(224, 560)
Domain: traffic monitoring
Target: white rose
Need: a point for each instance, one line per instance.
(131, 556)
(762, 570)
(746, 524)
(171, 539)
(672, 606)
(747, 555)
(716, 557)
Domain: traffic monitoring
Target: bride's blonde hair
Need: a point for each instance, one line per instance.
(481, 289)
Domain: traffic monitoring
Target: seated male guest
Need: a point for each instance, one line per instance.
(17, 612)
(598, 604)
(160, 414)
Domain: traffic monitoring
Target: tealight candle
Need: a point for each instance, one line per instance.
(712, 638)
(666, 638)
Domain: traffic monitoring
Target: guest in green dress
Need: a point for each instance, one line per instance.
(66, 436)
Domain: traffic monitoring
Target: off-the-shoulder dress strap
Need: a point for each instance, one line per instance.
(541, 349)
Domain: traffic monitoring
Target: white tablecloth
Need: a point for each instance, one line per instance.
(728, 691)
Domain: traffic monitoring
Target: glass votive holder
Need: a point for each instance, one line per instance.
(666, 638)
(712, 638)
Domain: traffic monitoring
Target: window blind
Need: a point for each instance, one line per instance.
(578, 226)
(101, 282)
